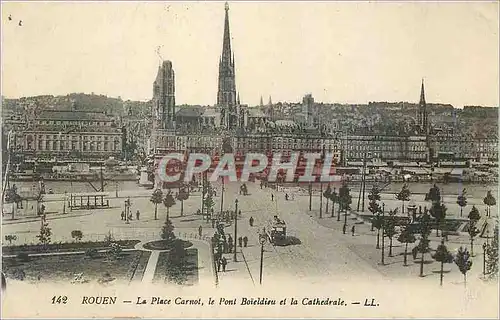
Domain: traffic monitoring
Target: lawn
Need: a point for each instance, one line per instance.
(130, 264)
(186, 273)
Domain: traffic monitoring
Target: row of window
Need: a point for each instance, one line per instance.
(79, 137)
(83, 123)
(73, 145)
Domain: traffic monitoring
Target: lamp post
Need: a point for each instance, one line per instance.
(64, 202)
(485, 247)
(235, 228)
(262, 240)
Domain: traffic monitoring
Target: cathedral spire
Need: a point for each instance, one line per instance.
(226, 96)
(261, 102)
(422, 94)
(226, 45)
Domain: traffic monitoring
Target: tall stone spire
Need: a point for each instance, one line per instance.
(226, 96)
(422, 112)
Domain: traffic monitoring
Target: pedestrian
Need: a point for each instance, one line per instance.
(245, 241)
(229, 239)
(240, 241)
(352, 230)
(130, 216)
(137, 214)
(239, 213)
(272, 197)
(230, 247)
(224, 264)
(344, 228)
(251, 221)
(286, 196)
(123, 215)
(200, 230)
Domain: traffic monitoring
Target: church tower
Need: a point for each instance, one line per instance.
(164, 97)
(226, 95)
(422, 120)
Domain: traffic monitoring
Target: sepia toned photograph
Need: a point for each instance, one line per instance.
(249, 159)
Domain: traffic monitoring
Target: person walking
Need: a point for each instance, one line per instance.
(224, 264)
(229, 239)
(240, 241)
(352, 230)
(245, 241)
(137, 214)
(344, 228)
(230, 247)
(123, 215)
(200, 231)
(272, 197)
(251, 221)
(239, 213)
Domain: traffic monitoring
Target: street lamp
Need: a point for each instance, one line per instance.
(485, 247)
(263, 241)
(235, 228)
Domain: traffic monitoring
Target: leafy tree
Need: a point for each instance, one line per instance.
(474, 214)
(406, 236)
(403, 195)
(373, 205)
(490, 201)
(473, 232)
(167, 231)
(492, 257)
(168, 202)
(11, 196)
(390, 228)
(462, 260)
(462, 201)
(45, 233)
(434, 194)
(438, 212)
(335, 198)
(345, 199)
(182, 196)
(77, 235)
(423, 245)
(327, 194)
(10, 238)
(156, 198)
(444, 256)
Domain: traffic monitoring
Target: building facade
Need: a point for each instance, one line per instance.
(65, 135)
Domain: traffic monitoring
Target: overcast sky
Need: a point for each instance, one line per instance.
(348, 52)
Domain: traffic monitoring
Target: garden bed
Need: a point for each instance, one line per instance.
(166, 245)
(65, 247)
(64, 267)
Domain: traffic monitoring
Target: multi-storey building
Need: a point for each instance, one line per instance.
(71, 134)
(464, 147)
(409, 148)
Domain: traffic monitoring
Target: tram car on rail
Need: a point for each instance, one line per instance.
(277, 231)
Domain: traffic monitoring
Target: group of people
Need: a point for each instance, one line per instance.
(124, 216)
